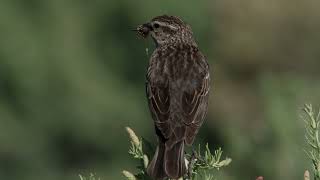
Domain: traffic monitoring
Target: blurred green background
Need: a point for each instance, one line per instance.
(72, 77)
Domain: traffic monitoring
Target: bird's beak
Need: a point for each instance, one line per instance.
(143, 30)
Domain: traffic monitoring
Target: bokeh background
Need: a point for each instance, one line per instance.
(72, 77)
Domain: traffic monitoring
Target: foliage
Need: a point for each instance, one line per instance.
(203, 164)
(312, 121)
(91, 177)
(137, 152)
(199, 166)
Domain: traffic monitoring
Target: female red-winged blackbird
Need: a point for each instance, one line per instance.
(177, 89)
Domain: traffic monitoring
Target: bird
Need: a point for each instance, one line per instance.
(177, 89)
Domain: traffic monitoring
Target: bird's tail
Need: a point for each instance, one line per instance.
(174, 165)
(168, 162)
(155, 168)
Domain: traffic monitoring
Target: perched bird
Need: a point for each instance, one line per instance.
(177, 88)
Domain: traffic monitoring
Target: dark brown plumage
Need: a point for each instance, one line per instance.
(177, 89)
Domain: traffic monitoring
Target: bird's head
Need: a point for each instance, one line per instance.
(166, 29)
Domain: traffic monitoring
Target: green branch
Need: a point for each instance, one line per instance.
(312, 122)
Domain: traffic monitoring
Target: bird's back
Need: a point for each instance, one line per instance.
(177, 72)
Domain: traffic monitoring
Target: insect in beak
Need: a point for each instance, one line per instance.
(143, 30)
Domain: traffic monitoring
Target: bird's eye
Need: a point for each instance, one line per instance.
(156, 25)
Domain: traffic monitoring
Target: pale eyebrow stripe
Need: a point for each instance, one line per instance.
(166, 25)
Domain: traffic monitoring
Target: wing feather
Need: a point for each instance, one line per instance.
(159, 105)
(195, 108)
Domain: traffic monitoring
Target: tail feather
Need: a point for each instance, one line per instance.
(168, 162)
(174, 161)
(155, 168)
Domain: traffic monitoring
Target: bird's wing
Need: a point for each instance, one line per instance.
(159, 103)
(194, 106)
